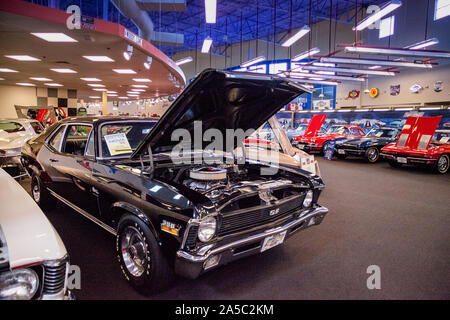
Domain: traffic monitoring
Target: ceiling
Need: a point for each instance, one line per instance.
(106, 40)
(236, 19)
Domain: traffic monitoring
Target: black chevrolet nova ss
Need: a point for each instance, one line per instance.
(189, 217)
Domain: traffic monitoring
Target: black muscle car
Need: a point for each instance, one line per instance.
(191, 215)
(368, 147)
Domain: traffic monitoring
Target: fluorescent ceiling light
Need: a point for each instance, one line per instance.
(90, 79)
(137, 90)
(306, 54)
(295, 37)
(387, 27)
(95, 85)
(374, 67)
(349, 70)
(123, 97)
(206, 45)
(63, 70)
(344, 110)
(403, 109)
(2, 78)
(53, 37)
(22, 58)
(398, 52)
(53, 84)
(183, 61)
(252, 61)
(100, 89)
(321, 64)
(7, 70)
(331, 73)
(124, 71)
(303, 74)
(210, 11)
(94, 97)
(40, 79)
(423, 44)
(142, 80)
(112, 95)
(25, 84)
(331, 83)
(139, 86)
(99, 58)
(381, 109)
(384, 10)
(377, 62)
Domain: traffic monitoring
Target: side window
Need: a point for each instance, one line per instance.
(76, 139)
(37, 127)
(90, 148)
(55, 141)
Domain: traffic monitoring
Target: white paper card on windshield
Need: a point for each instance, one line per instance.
(379, 134)
(444, 139)
(117, 144)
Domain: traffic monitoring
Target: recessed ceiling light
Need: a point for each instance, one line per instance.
(99, 58)
(26, 84)
(95, 85)
(94, 97)
(135, 90)
(40, 79)
(101, 89)
(142, 80)
(7, 70)
(124, 71)
(112, 95)
(139, 85)
(63, 70)
(123, 97)
(111, 91)
(54, 36)
(90, 79)
(53, 84)
(2, 78)
(22, 58)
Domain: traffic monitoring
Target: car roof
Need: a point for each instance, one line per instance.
(101, 119)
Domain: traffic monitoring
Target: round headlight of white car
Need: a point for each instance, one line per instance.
(207, 229)
(20, 284)
(308, 198)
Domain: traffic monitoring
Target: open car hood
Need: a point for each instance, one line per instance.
(418, 131)
(314, 125)
(221, 100)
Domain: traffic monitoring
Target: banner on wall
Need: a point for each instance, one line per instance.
(395, 90)
(321, 104)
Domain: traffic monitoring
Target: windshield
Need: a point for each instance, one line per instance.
(442, 137)
(119, 139)
(338, 130)
(382, 133)
(11, 127)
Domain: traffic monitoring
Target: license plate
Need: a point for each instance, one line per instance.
(272, 241)
(340, 151)
(402, 160)
(301, 146)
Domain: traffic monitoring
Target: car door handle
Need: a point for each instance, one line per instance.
(53, 160)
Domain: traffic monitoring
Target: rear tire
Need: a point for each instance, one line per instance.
(442, 164)
(372, 155)
(141, 259)
(40, 193)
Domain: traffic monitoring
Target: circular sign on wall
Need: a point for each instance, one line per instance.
(373, 92)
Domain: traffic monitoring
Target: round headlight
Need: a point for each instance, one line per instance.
(20, 284)
(308, 199)
(207, 229)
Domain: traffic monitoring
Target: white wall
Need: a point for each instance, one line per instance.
(139, 107)
(15, 95)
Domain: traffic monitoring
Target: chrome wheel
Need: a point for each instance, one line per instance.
(372, 154)
(134, 251)
(36, 192)
(443, 163)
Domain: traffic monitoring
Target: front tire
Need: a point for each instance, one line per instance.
(40, 193)
(372, 155)
(141, 259)
(442, 164)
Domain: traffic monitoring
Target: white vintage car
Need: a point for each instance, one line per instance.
(33, 259)
(13, 134)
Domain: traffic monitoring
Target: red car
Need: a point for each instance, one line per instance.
(420, 144)
(44, 117)
(311, 141)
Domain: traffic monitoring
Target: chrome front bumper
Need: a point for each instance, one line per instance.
(409, 160)
(192, 265)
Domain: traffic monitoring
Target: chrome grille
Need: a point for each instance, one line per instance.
(54, 276)
(192, 236)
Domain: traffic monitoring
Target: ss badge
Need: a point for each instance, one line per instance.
(274, 211)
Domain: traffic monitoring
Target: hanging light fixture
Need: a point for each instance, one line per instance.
(351, 70)
(398, 52)
(306, 54)
(376, 62)
(210, 11)
(127, 54)
(206, 45)
(148, 63)
(295, 37)
(423, 44)
(183, 61)
(253, 61)
(384, 10)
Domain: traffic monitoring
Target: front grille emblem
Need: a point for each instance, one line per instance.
(274, 212)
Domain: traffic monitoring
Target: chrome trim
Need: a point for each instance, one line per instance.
(84, 213)
(407, 158)
(305, 216)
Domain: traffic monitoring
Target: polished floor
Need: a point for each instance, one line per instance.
(397, 219)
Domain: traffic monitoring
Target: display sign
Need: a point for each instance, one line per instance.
(395, 90)
(131, 36)
(117, 143)
(321, 104)
(373, 92)
(353, 94)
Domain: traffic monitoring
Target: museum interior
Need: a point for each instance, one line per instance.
(224, 150)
